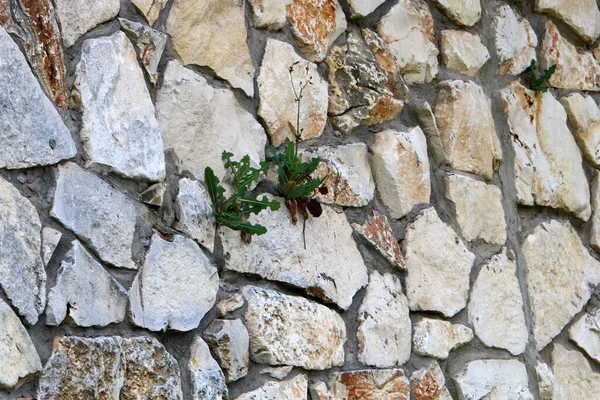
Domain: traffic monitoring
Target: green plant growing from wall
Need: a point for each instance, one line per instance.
(539, 84)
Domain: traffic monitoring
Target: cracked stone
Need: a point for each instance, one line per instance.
(151, 44)
(228, 340)
(436, 338)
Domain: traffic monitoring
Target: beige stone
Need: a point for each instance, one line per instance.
(229, 304)
(428, 123)
(150, 8)
(436, 338)
(229, 343)
(582, 16)
(378, 232)
(516, 41)
(362, 8)
(584, 117)
(463, 12)
(493, 380)
(269, 14)
(463, 52)
(76, 17)
(585, 332)
(595, 229)
(291, 389)
(151, 44)
(574, 378)
(545, 380)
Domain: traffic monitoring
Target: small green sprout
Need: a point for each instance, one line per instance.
(539, 84)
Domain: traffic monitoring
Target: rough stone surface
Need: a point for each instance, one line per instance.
(50, 239)
(515, 41)
(76, 17)
(439, 280)
(384, 330)
(371, 384)
(595, 198)
(120, 132)
(463, 12)
(277, 372)
(150, 8)
(478, 208)
(401, 170)
(22, 273)
(175, 288)
(228, 340)
(584, 117)
(291, 389)
(151, 44)
(269, 14)
(436, 337)
(277, 106)
(548, 165)
(212, 33)
(85, 292)
(585, 332)
(231, 303)
(463, 52)
(330, 267)
(574, 378)
(101, 216)
(493, 379)
(362, 8)
(208, 381)
(582, 16)
(559, 272)
(428, 123)
(199, 122)
(17, 352)
(378, 232)
(463, 113)
(154, 195)
(545, 381)
(496, 301)
(429, 384)
(109, 367)
(289, 330)
(196, 218)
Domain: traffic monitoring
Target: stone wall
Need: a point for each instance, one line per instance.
(457, 253)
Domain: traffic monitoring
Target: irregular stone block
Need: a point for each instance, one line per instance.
(151, 44)
(595, 228)
(515, 41)
(463, 52)
(50, 239)
(362, 8)
(434, 139)
(371, 384)
(150, 8)
(76, 17)
(196, 218)
(291, 389)
(154, 194)
(462, 12)
(378, 232)
(230, 304)
(208, 381)
(429, 384)
(574, 378)
(545, 380)
(493, 379)
(436, 337)
(278, 373)
(228, 340)
(585, 332)
(269, 14)
(584, 117)
(582, 16)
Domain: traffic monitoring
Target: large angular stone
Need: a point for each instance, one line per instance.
(212, 33)
(229, 341)
(150, 8)
(462, 12)
(463, 52)
(584, 117)
(269, 14)
(548, 165)
(76, 17)
(582, 16)
(401, 169)
(109, 367)
(574, 378)
(559, 274)
(196, 218)
(384, 330)
(199, 122)
(85, 292)
(17, 352)
(289, 330)
(151, 44)
(515, 41)
(101, 216)
(175, 288)
(585, 331)
(463, 114)
(276, 85)
(496, 301)
(362, 8)
(291, 389)
(408, 29)
(437, 280)
(31, 130)
(378, 232)
(120, 133)
(429, 384)
(370, 384)
(329, 267)
(436, 338)
(493, 379)
(208, 381)
(22, 273)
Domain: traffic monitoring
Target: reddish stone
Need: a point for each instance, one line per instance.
(378, 231)
(384, 384)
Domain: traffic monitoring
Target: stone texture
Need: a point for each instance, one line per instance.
(289, 330)
(31, 130)
(384, 330)
(315, 25)
(559, 272)
(22, 273)
(585, 332)
(429, 384)
(545, 380)
(50, 239)
(463, 12)
(428, 123)
(199, 122)
(277, 106)
(154, 194)
(584, 117)
(329, 267)
(120, 133)
(595, 199)
(401, 170)
(437, 280)
(378, 232)
(231, 303)
(362, 8)
(76, 17)
(101, 216)
(228, 340)
(196, 218)
(109, 367)
(574, 69)
(574, 378)
(151, 44)
(496, 301)
(436, 337)
(548, 165)
(291, 389)
(212, 33)
(515, 39)
(582, 16)
(371, 384)
(278, 373)
(84, 292)
(408, 29)
(175, 288)
(17, 352)
(493, 379)
(463, 52)
(208, 381)
(150, 8)
(269, 14)
(478, 208)
(463, 113)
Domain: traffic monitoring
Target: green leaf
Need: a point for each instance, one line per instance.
(212, 184)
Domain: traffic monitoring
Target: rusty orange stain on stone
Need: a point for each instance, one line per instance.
(312, 22)
(427, 389)
(362, 385)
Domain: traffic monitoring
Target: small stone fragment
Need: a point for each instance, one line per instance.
(154, 194)
(318, 391)
(401, 170)
(378, 232)
(463, 52)
(150, 8)
(574, 378)
(228, 340)
(175, 288)
(151, 44)
(269, 14)
(437, 280)
(463, 12)
(196, 218)
(436, 337)
(76, 17)
(50, 239)
(291, 389)
(208, 381)
(493, 379)
(277, 372)
(362, 8)
(584, 117)
(595, 198)
(371, 384)
(585, 332)
(429, 125)
(515, 41)
(582, 16)
(429, 384)
(545, 380)
(230, 304)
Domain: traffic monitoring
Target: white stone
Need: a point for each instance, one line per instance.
(175, 288)
(384, 330)
(464, 12)
(595, 228)
(515, 41)
(22, 273)
(199, 122)
(150, 8)
(584, 117)
(429, 384)
(548, 164)
(269, 14)
(494, 380)
(196, 218)
(329, 267)
(101, 216)
(401, 170)
(277, 107)
(291, 389)
(463, 52)
(362, 8)
(208, 381)
(585, 332)
(437, 280)
(434, 139)
(85, 292)
(545, 380)
(278, 373)
(50, 239)
(31, 130)
(289, 330)
(120, 133)
(436, 338)
(228, 340)
(582, 16)
(496, 301)
(76, 17)
(559, 274)
(574, 378)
